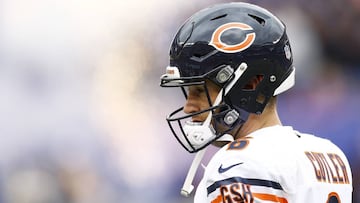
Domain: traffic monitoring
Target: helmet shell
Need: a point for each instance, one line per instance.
(195, 50)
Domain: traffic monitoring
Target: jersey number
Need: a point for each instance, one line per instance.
(239, 144)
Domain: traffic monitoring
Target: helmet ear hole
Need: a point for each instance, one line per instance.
(253, 82)
(260, 98)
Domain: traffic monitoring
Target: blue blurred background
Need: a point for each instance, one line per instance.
(82, 116)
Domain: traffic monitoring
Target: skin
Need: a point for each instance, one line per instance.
(197, 101)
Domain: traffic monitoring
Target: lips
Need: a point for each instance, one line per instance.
(198, 119)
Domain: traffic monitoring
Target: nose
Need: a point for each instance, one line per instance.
(191, 104)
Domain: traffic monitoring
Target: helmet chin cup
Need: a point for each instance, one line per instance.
(198, 134)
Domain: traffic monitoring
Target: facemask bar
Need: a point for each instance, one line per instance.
(178, 123)
(173, 79)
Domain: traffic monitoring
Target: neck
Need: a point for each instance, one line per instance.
(268, 118)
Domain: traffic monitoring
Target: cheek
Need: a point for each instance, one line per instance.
(213, 91)
(213, 95)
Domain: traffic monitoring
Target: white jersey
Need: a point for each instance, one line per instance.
(277, 164)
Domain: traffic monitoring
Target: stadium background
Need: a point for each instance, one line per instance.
(82, 118)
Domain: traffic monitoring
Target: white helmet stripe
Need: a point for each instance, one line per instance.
(286, 84)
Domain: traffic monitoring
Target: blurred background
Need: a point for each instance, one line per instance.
(82, 116)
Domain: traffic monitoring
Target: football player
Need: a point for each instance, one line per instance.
(231, 61)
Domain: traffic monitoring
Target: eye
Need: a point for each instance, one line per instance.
(195, 90)
(200, 89)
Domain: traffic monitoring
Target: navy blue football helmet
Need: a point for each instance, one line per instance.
(227, 44)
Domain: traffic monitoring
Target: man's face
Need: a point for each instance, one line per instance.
(197, 99)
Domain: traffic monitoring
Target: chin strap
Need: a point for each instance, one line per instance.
(188, 187)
